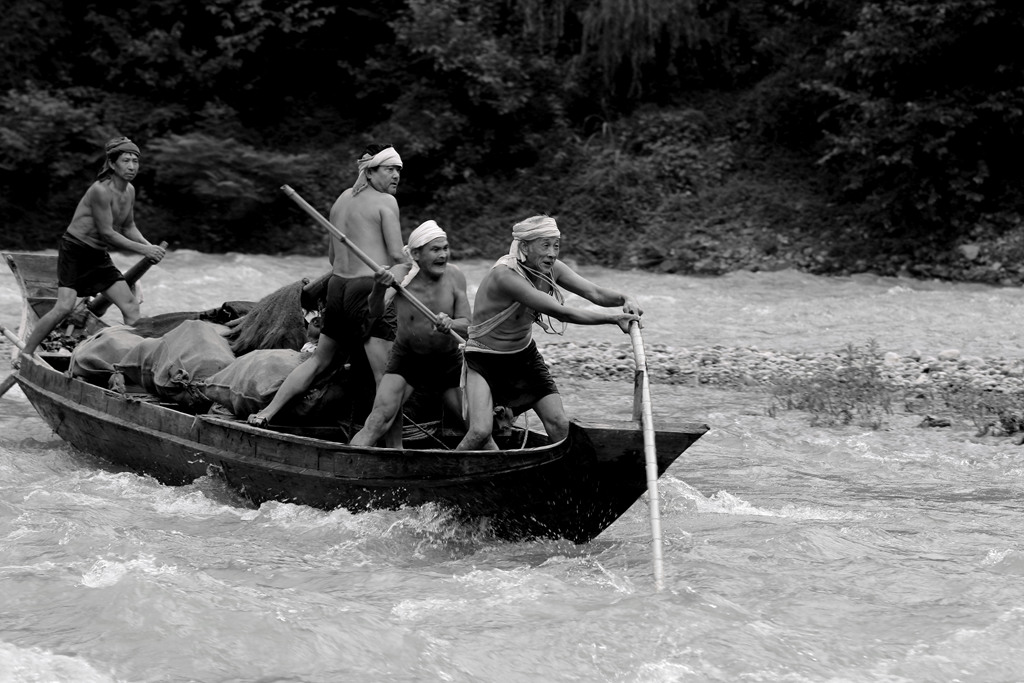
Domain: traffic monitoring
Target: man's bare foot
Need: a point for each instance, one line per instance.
(257, 420)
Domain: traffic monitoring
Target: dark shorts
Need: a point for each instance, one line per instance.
(85, 269)
(437, 371)
(517, 380)
(347, 319)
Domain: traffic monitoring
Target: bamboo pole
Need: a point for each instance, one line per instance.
(642, 405)
(362, 255)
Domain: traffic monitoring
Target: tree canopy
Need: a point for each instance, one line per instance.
(912, 110)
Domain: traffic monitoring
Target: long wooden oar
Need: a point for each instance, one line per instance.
(101, 302)
(9, 381)
(362, 255)
(642, 410)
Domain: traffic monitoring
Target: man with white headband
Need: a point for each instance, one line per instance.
(104, 219)
(367, 214)
(425, 356)
(504, 367)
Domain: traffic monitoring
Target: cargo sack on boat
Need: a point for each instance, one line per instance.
(275, 322)
(249, 383)
(174, 366)
(159, 325)
(94, 358)
(135, 369)
(187, 356)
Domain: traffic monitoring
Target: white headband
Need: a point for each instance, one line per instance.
(386, 157)
(531, 229)
(426, 233)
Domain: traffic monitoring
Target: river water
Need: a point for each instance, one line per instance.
(792, 553)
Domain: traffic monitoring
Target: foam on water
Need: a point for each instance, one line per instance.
(35, 665)
(791, 552)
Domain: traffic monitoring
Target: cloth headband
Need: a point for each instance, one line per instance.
(121, 145)
(386, 157)
(115, 148)
(426, 233)
(531, 229)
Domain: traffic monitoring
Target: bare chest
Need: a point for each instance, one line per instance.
(436, 296)
(120, 208)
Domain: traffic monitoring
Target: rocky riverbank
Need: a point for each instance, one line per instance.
(857, 384)
(737, 368)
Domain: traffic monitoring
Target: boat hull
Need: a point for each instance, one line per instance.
(572, 489)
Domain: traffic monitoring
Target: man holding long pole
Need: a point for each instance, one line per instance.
(365, 217)
(504, 367)
(426, 356)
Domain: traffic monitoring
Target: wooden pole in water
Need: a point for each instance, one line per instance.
(642, 405)
(362, 255)
(9, 381)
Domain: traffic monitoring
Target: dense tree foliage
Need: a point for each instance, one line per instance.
(621, 114)
(927, 124)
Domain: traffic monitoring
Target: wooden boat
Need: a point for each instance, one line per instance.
(571, 489)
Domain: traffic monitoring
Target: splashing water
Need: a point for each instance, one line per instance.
(791, 553)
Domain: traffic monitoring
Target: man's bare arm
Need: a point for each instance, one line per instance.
(518, 289)
(461, 312)
(382, 279)
(103, 218)
(391, 230)
(569, 279)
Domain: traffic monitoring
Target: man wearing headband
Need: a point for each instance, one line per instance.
(425, 356)
(504, 367)
(367, 214)
(104, 219)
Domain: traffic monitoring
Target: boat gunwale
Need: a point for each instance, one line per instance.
(513, 459)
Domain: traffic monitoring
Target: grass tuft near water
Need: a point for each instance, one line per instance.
(859, 391)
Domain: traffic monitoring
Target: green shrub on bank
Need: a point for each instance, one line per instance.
(992, 412)
(854, 392)
(859, 391)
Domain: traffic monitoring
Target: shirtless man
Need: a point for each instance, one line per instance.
(425, 356)
(504, 366)
(103, 220)
(367, 214)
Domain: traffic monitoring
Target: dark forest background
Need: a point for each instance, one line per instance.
(693, 136)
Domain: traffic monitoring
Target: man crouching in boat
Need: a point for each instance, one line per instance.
(504, 367)
(425, 355)
(103, 220)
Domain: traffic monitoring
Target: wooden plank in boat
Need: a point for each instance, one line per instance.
(36, 273)
(41, 305)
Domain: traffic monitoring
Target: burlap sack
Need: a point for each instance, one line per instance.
(248, 384)
(94, 358)
(177, 365)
